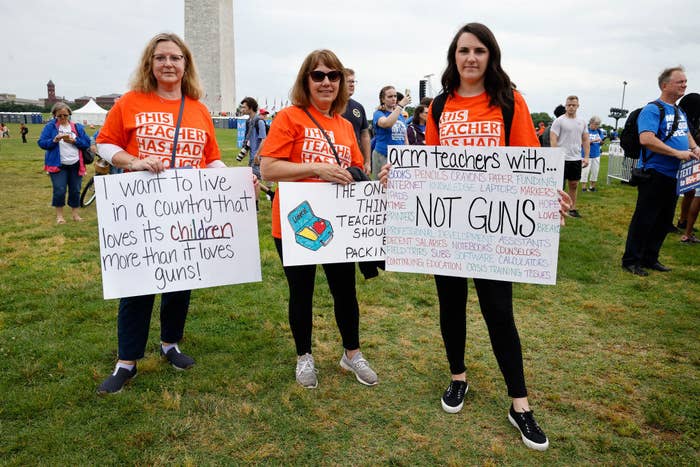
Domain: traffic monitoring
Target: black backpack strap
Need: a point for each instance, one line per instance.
(438, 107)
(662, 120)
(508, 112)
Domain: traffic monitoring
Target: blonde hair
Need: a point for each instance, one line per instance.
(300, 93)
(143, 79)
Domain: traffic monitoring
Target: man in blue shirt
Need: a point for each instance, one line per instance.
(656, 197)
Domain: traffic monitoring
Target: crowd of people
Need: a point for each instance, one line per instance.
(167, 83)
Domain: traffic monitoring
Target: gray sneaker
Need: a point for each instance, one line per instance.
(306, 372)
(360, 367)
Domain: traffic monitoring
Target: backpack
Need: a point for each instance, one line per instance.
(544, 137)
(439, 105)
(629, 138)
(265, 122)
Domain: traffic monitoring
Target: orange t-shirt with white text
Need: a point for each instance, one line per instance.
(471, 121)
(295, 138)
(143, 124)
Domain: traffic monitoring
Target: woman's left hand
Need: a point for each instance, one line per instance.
(564, 206)
(256, 182)
(384, 174)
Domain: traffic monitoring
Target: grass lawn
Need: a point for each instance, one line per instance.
(611, 360)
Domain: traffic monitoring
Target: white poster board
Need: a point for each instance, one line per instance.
(485, 212)
(330, 223)
(178, 230)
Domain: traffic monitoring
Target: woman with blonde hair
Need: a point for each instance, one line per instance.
(142, 132)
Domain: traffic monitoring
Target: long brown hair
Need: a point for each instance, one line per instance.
(300, 94)
(496, 81)
(143, 79)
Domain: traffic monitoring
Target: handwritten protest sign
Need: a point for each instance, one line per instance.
(485, 212)
(688, 176)
(181, 229)
(330, 223)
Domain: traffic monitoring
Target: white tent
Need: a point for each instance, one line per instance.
(90, 114)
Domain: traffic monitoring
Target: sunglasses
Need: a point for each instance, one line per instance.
(62, 115)
(318, 76)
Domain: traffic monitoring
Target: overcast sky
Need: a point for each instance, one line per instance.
(549, 49)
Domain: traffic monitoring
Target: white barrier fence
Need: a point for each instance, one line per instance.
(619, 166)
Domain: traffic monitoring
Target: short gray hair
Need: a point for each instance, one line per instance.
(58, 106)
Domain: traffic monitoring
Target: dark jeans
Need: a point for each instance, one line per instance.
(496, 302)
(656, 204)
(68, 178)
(135, 318)
(341, 282)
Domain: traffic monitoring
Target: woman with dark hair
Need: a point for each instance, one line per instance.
(690, 206)
(294, 151)
(139, 135)
(389, 125)
(416, 129)
(64, 142)
(474, 81)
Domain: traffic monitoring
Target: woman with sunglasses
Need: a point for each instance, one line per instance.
(64, 142)
(389, 125)
(478, 90)
(139, 135)
(296, 150)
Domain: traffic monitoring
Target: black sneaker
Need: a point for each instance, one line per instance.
(177, 359)
(453, 398)
(530, 431)
(574, 213)
(116, 381)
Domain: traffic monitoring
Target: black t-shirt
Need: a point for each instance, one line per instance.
(355, 114)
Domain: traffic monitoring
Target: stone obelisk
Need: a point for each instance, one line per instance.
(209, 34)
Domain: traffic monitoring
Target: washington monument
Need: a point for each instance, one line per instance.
(209, 33)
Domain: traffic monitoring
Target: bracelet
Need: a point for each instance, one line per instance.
(398, 107)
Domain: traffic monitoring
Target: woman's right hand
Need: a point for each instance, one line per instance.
(384, 174)
(151, 163)
(405, 101)
(332, 173)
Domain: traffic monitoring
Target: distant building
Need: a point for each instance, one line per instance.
(107, 101)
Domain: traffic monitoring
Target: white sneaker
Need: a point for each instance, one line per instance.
(359, 366)
(306, 372)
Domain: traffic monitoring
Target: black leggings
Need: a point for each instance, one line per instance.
(341, 282)
(496, 302)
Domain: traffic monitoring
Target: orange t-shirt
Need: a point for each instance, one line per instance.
(144, 125)
(471, 121)
(295, 138)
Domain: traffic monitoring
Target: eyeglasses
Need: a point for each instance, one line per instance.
(174, 59)
(318, 76)
(62, 116)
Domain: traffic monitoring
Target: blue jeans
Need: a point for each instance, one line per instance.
(66, 178)
(134, 319)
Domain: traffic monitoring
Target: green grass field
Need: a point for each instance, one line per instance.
(611, 360)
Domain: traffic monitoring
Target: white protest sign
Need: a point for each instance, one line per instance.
(331, 223)
(485, 212)
(178, 230)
